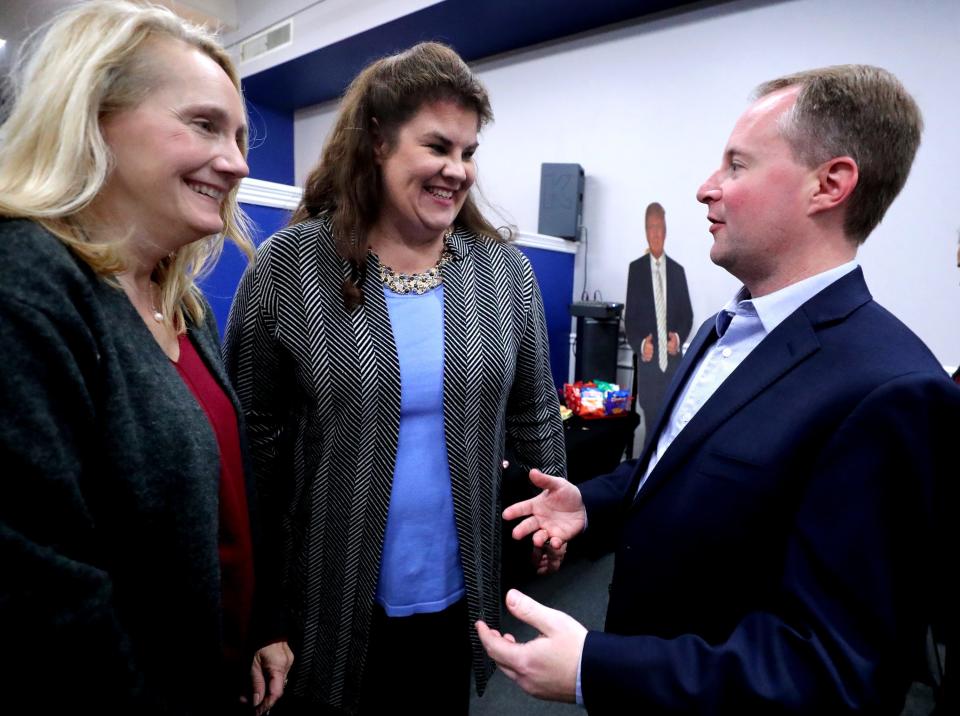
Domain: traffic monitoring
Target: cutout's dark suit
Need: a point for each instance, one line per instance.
(778, 559)
(640, 321)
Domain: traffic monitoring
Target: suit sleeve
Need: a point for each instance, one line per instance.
(852, 605)
(57, 610)
(533, 409)
(684, 320)
(639, 318)
(605, 498)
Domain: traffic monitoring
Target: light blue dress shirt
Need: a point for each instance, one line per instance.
(741, 325)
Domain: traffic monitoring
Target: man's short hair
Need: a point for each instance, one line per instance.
(654, 209)
(858, 111)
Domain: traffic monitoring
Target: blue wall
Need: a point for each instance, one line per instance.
(554, 272)
(271, 159)
(222, 282)
(271, 143)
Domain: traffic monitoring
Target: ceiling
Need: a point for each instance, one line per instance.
(19, 18)
(475, 28)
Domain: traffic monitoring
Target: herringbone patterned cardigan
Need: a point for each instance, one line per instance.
(320, 387)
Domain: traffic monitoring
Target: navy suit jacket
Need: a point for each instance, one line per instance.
(778, 559)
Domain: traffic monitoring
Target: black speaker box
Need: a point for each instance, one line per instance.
(596, 348)
(561, 200)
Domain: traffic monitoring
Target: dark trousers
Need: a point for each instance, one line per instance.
(651, 384)
(418, 664)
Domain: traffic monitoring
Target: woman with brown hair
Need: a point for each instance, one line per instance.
(385, 345)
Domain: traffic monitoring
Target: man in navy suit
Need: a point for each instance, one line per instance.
(777, 537)
(658, 315)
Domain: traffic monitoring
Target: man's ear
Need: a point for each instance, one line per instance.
(835, 181)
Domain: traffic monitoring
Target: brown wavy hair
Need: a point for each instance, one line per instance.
(346, 185)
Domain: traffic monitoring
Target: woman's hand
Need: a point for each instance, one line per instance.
(271, 664)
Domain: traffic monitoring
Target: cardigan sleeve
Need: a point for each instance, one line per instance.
(533, 409)
(57, 609)
(256, 368)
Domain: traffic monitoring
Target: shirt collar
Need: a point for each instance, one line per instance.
(774, 308)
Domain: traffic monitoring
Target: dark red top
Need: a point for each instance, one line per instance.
(236, 547)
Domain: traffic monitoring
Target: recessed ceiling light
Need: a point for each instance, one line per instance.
(2, 43)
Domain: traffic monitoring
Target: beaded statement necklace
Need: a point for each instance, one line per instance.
(418, 283)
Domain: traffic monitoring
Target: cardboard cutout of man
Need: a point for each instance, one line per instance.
(658, 315)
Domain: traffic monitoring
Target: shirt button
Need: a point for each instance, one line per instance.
(685, 418)
(727, 353)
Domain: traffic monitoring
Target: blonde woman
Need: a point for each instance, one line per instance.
(125, 534)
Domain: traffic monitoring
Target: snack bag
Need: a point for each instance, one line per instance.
(605, 387)
(571, 396)
(591, 403)
(617, 402)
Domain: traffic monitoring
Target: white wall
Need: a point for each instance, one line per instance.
(311, 126)
(646, 108)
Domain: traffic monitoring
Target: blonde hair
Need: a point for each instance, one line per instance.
(91, 60)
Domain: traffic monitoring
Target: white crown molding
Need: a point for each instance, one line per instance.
(269, 193)
(542, 241)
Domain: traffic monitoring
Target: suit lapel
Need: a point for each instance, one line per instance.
(781, 351)
(646, 285)
(705, 337)
(670, 279)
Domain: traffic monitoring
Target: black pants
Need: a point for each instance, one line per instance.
(418, 664)
(651, 383)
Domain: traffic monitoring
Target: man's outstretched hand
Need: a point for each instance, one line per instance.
(556, 514)
(545, 667)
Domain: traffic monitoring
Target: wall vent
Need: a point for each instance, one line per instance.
(271, 39)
